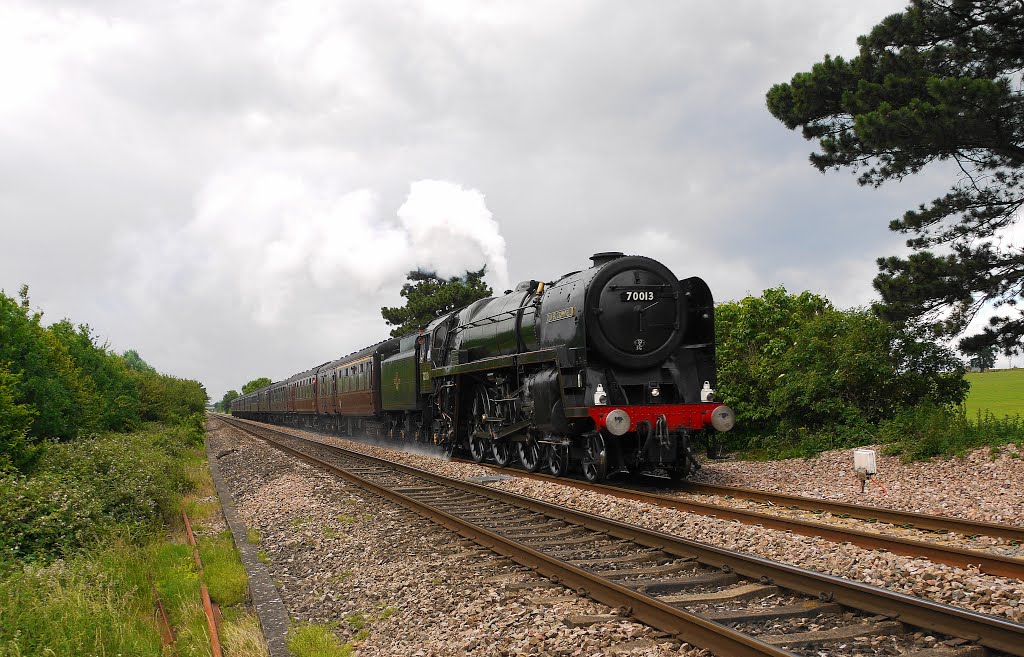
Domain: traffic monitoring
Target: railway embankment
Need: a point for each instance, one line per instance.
(95, 559)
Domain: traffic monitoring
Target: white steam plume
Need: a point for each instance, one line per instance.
(278, 243)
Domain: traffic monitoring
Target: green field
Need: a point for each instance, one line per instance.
(1001, 392)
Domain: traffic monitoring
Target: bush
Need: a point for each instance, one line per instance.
(46, 516)
(16, 451)
(93, 487)
(928, 430)
(803, 376)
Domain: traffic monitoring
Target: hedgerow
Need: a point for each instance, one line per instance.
(93, 487)
(60, 382)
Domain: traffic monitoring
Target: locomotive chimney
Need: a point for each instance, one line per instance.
(605, 257)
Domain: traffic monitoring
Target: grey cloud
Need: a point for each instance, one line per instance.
(586, 126)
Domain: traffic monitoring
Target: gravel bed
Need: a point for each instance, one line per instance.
(965, 588)
(986, 485)
(395, 584)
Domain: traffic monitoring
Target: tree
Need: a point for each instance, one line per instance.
(46, 378)
(429, 296)
(134, 361)
(225, 403)
(16, 450)
(938, 82)
(984, 359)
(255, 384)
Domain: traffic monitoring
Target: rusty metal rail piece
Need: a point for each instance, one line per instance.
(989, 631)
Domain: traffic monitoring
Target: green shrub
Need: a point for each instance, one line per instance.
(136, 478)
(927, 430)
(103, 485)
(16, 450)
(804, 376)
(46, 516)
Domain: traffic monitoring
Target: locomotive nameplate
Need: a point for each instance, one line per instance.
(564, 313)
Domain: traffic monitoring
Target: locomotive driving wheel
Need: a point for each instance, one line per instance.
(529, 454)
(478, 426)
(502, 452)
(477, 449)
(557, 458)
(595, 458)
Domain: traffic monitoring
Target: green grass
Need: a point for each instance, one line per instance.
(222, 569)
(78, 607)
(100, 602)
(98, 599)
(1000, 392)
(311, 640)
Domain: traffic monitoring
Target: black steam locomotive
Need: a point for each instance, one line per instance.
(609, 369)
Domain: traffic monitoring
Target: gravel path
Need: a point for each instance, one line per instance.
(396, 584)
(959, 587)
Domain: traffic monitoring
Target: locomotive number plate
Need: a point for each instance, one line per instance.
(637, 295)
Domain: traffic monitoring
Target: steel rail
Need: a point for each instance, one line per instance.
(907, 519)
(681, 624)
(989, 631)
(864, 512)
(988, 562)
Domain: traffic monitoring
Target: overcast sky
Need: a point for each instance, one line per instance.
(235, 188)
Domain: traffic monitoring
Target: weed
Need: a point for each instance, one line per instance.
(296, 523)
(310, 640)
(263, 556)
(252, 536)
(222, 569)
(357, 620)
(241, 634)
(343, 576)
(346, 520)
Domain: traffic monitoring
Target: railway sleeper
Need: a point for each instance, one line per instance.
(844, 633)
(754, 614)
(651, 555)
(668, 569)
(558, 541)
(741, 592)
(675, 584)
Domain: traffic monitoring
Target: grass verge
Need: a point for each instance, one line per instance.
(77, 575)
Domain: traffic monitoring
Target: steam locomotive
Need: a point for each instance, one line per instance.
(606, 370)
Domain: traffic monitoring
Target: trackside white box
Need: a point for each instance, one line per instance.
(864, 459)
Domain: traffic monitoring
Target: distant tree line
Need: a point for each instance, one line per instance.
(59, 382)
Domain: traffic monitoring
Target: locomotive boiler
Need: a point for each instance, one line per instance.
(609, 369)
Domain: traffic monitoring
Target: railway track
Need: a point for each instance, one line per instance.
(990, 562)
(727, 602)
